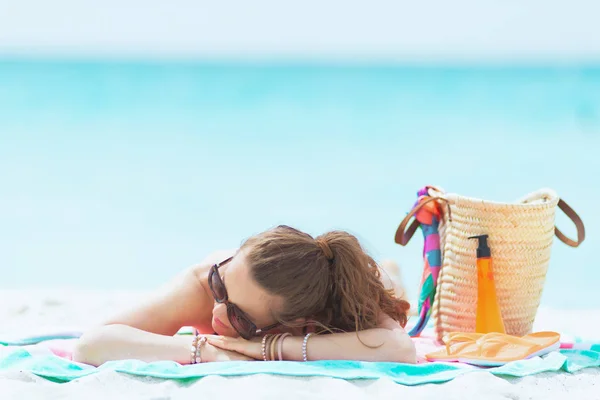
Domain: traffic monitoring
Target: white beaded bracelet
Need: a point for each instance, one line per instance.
(305, 345)
(193, 350)
(196, 356)
(202, 341)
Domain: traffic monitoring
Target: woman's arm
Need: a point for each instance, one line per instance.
(146, 331)
(389, 342)
(120, 342)
(377, 345)
(183, 301)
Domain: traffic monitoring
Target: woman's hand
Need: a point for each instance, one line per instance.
(249, 348)
(211, 353)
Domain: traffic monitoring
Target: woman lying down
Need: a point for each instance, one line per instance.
(282, 296)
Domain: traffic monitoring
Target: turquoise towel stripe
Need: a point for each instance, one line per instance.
(30, 340)
(62, 370)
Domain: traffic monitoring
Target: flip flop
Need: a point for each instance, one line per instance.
(494, 349)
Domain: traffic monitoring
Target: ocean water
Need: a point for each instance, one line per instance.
(120, 174)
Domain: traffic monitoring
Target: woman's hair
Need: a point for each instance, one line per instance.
(329, 280)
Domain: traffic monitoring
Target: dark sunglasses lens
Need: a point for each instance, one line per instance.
(217, 286)
(240, 322)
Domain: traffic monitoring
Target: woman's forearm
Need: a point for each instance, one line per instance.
(377, 345)
(119, 342)
(123, 342)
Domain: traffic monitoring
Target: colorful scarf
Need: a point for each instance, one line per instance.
(429, 219)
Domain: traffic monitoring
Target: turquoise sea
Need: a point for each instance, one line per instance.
(119, 174)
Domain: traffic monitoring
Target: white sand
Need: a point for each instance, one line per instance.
(22, 310)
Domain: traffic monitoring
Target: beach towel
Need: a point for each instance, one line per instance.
(49, 355)
(60, 369)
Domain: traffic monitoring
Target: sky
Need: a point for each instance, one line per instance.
(459, 30)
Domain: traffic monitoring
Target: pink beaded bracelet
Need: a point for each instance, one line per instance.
(263, 346)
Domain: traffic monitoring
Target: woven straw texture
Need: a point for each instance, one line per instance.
(520, 237)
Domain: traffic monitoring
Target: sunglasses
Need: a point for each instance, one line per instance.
(238, 319)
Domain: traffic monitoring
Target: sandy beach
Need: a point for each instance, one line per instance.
(51, 309)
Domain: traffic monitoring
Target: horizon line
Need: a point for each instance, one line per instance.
(316, 61)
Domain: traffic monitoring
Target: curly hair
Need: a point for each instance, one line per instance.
(329, 280)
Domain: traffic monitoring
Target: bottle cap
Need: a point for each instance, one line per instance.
(483, 249)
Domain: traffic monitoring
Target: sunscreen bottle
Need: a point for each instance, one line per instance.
(489, 318)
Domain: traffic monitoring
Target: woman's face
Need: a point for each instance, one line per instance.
(246, 294)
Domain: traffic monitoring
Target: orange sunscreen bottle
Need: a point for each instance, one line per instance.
(489, 318)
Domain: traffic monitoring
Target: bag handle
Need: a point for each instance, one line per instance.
(578, 224)
(403, 237)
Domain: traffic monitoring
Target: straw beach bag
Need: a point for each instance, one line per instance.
(520, 238)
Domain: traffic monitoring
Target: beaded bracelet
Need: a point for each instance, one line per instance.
(194, 349)
(305, 345)
(201, 342)
(263, 346)
(195, 356)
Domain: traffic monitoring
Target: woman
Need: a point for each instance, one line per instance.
(264, 302)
